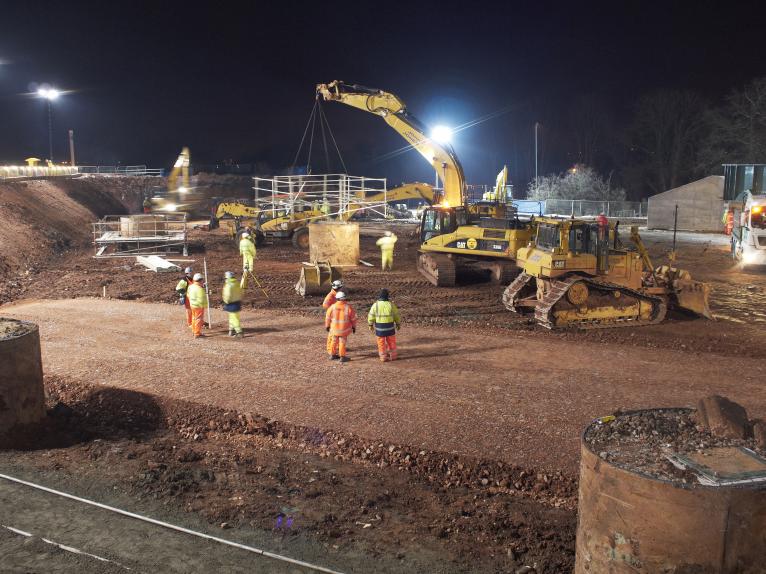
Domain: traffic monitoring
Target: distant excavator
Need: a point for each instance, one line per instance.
(577, 274)
(177, 195)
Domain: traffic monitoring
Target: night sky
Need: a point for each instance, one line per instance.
(238, 83)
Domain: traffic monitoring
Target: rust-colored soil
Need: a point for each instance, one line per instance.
(481, 399)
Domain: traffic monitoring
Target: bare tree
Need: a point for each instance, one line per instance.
(580, 182)
(738, 128)
(667, 130)
(592, 126)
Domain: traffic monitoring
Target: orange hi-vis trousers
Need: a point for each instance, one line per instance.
(336, 345)
(387, 348)
(188, 316)
(198, 319)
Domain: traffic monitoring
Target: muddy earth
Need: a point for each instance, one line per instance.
(461, 457)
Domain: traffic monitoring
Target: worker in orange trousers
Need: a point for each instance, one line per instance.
(181, 288)
(384, 322)
(340, 322)
(198, 301)
(328, 302)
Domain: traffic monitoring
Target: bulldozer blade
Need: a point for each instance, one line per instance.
(693, 296)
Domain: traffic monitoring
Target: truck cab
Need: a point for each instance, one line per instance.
(748, 239)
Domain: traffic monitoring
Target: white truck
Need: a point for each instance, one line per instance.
(748, 237)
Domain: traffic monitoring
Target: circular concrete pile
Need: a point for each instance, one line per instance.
(22, 397)
(673, 490)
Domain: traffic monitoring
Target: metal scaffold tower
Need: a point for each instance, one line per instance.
(329, 196)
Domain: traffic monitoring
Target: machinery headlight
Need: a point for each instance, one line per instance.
(170, 207)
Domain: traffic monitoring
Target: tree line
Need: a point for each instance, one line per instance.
(671, 138)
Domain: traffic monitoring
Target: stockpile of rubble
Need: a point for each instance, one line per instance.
(646, 441)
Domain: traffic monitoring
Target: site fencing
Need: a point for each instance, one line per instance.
(583, 208)
(11, 172)
(139, 170)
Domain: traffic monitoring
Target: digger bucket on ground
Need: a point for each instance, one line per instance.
(693, 296)
(316, 278)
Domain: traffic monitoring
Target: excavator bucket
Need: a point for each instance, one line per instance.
(316, 278)
(693, 296)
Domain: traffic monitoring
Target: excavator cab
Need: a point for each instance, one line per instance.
(438, 220)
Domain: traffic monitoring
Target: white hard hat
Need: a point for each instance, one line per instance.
(229, 274)
(197, 277)
(337, 284)
(340, 295)
(188, 270)
(245, 234)
(388, 234)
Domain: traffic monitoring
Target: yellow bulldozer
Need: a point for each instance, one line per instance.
(577, 274)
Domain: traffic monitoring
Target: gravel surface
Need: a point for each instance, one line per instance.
(503, 396)
(642, 441)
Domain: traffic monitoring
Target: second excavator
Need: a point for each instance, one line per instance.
(453, 234)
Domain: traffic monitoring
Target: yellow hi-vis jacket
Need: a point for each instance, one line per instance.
(246, 247)
(385, 317)
(232, 292)
(197, 296)
(386, 243)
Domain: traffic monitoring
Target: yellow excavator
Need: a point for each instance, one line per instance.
(290, 222)
(577, 274)
(453, 234)
(177, 196)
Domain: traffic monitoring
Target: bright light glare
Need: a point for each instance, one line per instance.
(182, 189)
(442, 134)
(48, 93)
(170, 207)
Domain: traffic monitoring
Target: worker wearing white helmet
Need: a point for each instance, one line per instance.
(340, 322)
(232, 303)
(247, 251)
(198, 301)
(386, 244)
(181, 288)
(330, 297)
(328, 302)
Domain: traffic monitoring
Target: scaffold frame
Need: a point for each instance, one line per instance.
(132, 235)
(336, 196)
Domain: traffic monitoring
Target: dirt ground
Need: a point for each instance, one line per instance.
(466, 448)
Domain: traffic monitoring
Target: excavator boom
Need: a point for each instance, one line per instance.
(392, 109)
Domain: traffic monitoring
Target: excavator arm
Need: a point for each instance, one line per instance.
(388, 106)
(180, 168)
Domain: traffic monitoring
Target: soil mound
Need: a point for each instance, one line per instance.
(40, 219)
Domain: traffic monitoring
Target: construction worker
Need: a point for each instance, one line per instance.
(198, 301)
(247, 251)
(340, 322)
(384, 322)
(386, 244)
(147, 205)
(232, 303)
(329, 301)
(181, 287)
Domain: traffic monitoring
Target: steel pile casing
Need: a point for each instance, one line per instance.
(629, 522)
(22, 397)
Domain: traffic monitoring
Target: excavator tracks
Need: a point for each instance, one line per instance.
(437, 268)
(583, 303)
